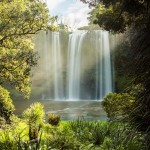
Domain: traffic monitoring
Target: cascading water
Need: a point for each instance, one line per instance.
(107, 64)
(103, 64)
(74, 62)
(75, 67)
(49, 74)
(57, 66)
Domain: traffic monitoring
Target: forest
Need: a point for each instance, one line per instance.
(127, 126)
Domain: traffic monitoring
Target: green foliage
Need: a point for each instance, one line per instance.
(117, 15)
(98, 133)
(136, 90)
(118, 106)
(82, 129)
(122, 55)
(63, 27)
(53, 119)
(89, 132)
(132, 16)
(2, 122)
(107, 135)
(124, 136)
(15, 138)
(63, 138)
(60, 26)
(20, 20)
(6, 106)
(34, 116)
(66, 136)
(12, 135)
(91, 2)
(141, 76)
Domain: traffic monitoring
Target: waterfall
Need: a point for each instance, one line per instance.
(74, 60)
(101, 48)
(74, 66)
(48, 75)
(57, 66)
(107, 64)
(103, 64)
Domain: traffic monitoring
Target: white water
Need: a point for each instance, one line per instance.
(74, 62)
(57, 66)
(75, 68)
(107, 64)
(103, 65)
(103, 73)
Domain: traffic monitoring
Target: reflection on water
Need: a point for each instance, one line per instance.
(68, 110)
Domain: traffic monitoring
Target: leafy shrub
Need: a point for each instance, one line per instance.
(35, 113)
(63, 138)
(98, 133)
(2, 122)
(6, 106)
(90, 132)
(69, 136)
(34, 116)
(107, 135)
(53, 119)
(121, 136)
(82, 129)
(118, 106)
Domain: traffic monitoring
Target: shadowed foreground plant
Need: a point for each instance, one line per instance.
(63, 138)
(53, 119)
(6, 106)
(108, 135)
(2, 122)
(93, 132)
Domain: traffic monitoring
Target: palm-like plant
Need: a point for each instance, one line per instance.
(34, 116)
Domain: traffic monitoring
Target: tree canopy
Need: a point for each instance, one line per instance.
(118, 15)
(19, 21)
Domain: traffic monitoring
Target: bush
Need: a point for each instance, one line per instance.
(34, 116)
(118, 106)
(63, 138)
(107, 135)
(82, 129)
(6, 106)
(53, 119)
(90, 132)
(2, 122)
(121, 136)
